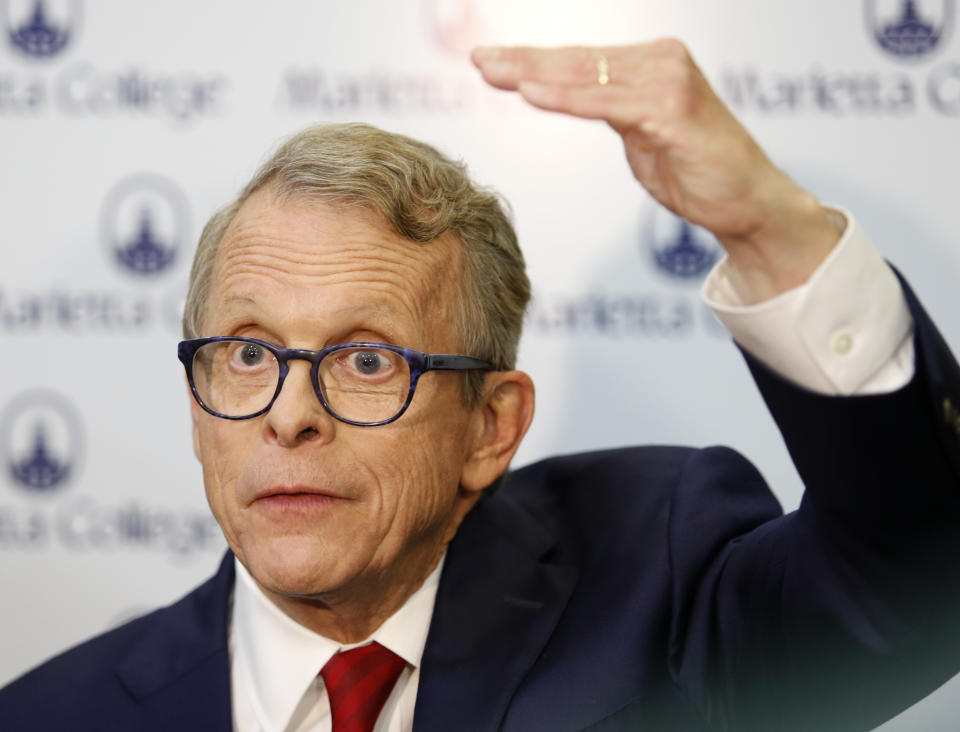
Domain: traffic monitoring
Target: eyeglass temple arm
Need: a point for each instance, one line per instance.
(447, 362)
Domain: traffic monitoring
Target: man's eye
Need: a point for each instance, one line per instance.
(251, 354)
(368, 362)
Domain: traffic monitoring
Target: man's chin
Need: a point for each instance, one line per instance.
(295, 566)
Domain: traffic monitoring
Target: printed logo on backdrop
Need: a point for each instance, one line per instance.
(906, 33)
(456, 26)
(42, 440)
(146, 240)
(145, 225)
(677, 248)
(679, 254)
(379, 86)
(42, 448)
(40, 29)
(910, 30)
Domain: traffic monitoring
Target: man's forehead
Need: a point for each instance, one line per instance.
(311, 231)
(305, 250)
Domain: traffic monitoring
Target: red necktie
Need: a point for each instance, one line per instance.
(358, 683)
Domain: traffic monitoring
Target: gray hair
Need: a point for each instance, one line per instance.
(422, 194)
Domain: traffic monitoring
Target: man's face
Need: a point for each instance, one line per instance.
(313, 507)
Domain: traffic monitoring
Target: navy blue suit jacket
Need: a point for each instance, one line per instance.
(651, 588)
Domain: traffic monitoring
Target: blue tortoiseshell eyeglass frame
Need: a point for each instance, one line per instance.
(418, 361)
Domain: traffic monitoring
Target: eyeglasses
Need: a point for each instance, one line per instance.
(363, 384)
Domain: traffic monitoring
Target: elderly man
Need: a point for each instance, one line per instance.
(352, 326)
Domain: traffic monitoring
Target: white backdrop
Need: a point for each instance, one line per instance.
(124, 125)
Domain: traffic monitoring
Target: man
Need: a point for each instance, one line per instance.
(651, 588)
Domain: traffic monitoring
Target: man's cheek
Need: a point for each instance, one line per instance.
(220, 481)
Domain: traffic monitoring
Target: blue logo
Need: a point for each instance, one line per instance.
(144, 224)
(908, 29)
(42, 441)
(680, 249)
(40, 29)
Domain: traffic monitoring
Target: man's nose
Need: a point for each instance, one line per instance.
(297, 415)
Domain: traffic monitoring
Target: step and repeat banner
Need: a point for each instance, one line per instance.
(124, 125)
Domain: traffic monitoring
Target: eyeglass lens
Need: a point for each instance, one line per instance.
(361, 384)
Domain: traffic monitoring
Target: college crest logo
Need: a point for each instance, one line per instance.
(145, 224)
(40, 29)
(42, 441)
(679, 249)
(909, 29)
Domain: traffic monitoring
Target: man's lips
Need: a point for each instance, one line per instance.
(282, 491)
(297, 500)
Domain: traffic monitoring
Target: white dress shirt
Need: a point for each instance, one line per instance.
(275, 662)
(847, 330)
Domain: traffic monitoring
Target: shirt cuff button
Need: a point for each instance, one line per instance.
(841, 343)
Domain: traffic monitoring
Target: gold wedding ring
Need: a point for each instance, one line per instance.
(603, 70)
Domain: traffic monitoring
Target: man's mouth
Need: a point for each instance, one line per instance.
(294, 499)
(282, 491)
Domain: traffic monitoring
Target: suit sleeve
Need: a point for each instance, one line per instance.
(841, 614)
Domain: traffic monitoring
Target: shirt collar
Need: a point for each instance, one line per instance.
(281, 658)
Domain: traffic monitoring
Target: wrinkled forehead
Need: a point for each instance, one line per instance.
(297, 249)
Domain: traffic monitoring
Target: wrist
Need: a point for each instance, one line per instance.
(793, 236)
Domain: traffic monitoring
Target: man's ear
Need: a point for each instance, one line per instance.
(500, 422)
(195, 420)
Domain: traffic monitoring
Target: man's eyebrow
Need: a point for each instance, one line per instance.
(376, 316)
(246, 299)
(238, 300)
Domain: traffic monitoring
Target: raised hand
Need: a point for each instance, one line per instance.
(684, 146)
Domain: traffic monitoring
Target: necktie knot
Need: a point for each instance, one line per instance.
(358, 683)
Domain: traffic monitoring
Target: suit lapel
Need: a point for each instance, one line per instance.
(496, 608)
(179, 673)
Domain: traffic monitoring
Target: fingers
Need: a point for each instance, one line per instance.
(621, 108)
(618, 106)
(655, 94)
(658, 93)
(505, 68)
(656, 80)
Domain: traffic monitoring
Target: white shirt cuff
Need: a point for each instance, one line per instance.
(847, 330)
